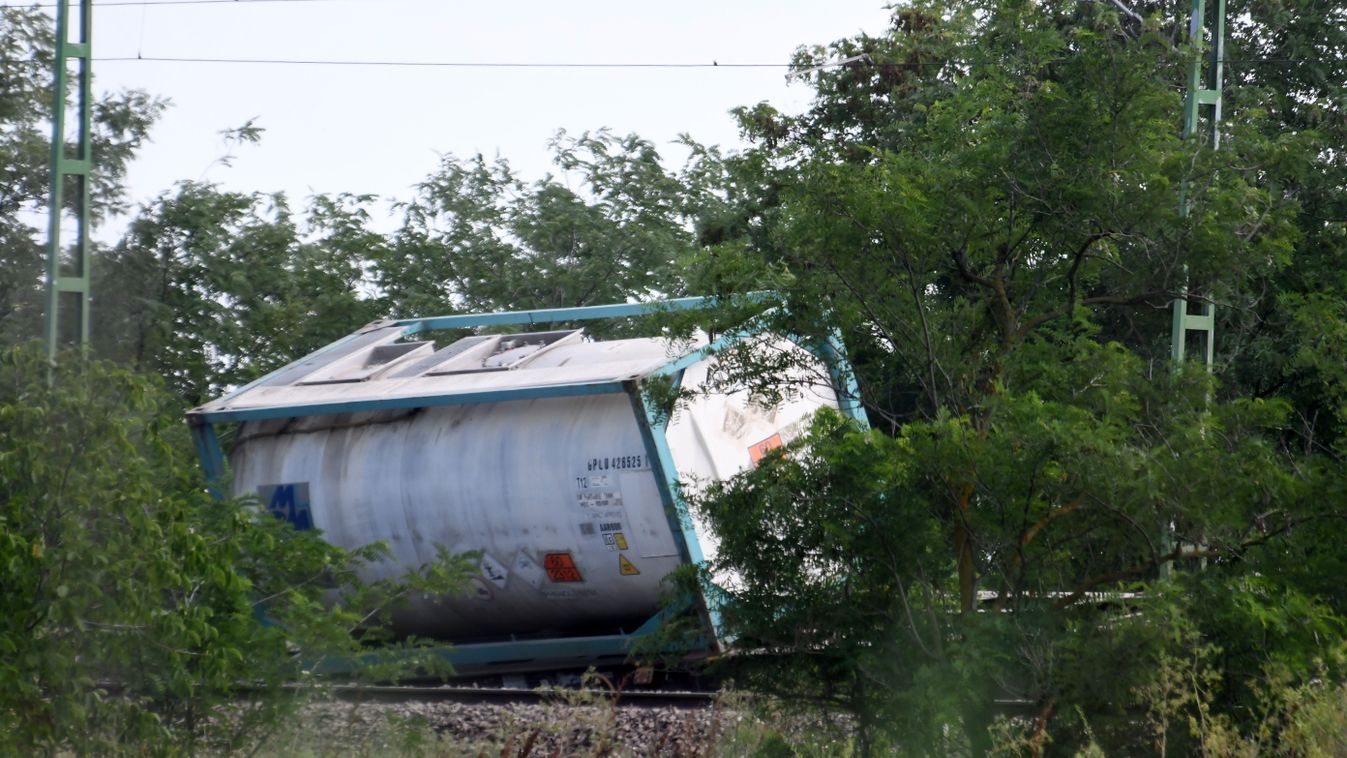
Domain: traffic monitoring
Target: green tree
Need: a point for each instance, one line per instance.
(1288, 72)
(121, 124)
(478, 238)
(212, 289)
(986, 207)
(131, 620)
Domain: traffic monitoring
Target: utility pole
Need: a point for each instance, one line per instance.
(68, 274)
(1201, 119)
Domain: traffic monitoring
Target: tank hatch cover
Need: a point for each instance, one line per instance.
(505, 352)
(366, 364)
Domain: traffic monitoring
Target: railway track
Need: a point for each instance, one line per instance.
(648, 698)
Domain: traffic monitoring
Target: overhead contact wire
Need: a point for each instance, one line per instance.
(134, 3)
(442, 64)
(544, 64)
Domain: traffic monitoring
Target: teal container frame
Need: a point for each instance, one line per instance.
(561, 652)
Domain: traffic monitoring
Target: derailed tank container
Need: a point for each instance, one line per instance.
(536, 450)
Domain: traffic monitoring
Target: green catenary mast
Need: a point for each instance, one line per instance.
(1206, 34)
(1203, 92)
(68, 274)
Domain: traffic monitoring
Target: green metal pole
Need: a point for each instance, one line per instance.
(1205, 80)
(70, 277)
(1204, 91)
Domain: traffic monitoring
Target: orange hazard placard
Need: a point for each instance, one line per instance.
(560, 567)
(758, 450)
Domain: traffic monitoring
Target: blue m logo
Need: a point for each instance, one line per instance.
(288, 502)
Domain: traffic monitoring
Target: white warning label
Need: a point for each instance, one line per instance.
(494, 572)
(528, 569)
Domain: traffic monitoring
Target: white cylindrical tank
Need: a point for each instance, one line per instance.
(560, 497)
(553, 485)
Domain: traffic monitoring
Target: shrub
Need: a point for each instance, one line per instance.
(131, 602)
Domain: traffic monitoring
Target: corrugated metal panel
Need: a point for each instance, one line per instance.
(361, 371)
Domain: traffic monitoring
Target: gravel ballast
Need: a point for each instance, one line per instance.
(514, 729)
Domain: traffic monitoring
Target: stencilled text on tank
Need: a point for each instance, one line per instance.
(599, 494)
(569, 594)
(634, 461)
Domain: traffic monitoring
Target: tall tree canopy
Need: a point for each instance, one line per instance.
(478, 237)
(985, 203)
(212, 289)
(121, 123)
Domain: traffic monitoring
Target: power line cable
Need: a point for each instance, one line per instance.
(138, 58)
(572, 65)
(428, 64)
(150, 3)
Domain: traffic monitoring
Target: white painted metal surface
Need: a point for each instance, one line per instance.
(716, 435)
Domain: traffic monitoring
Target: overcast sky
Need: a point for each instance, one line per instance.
(380, 129)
